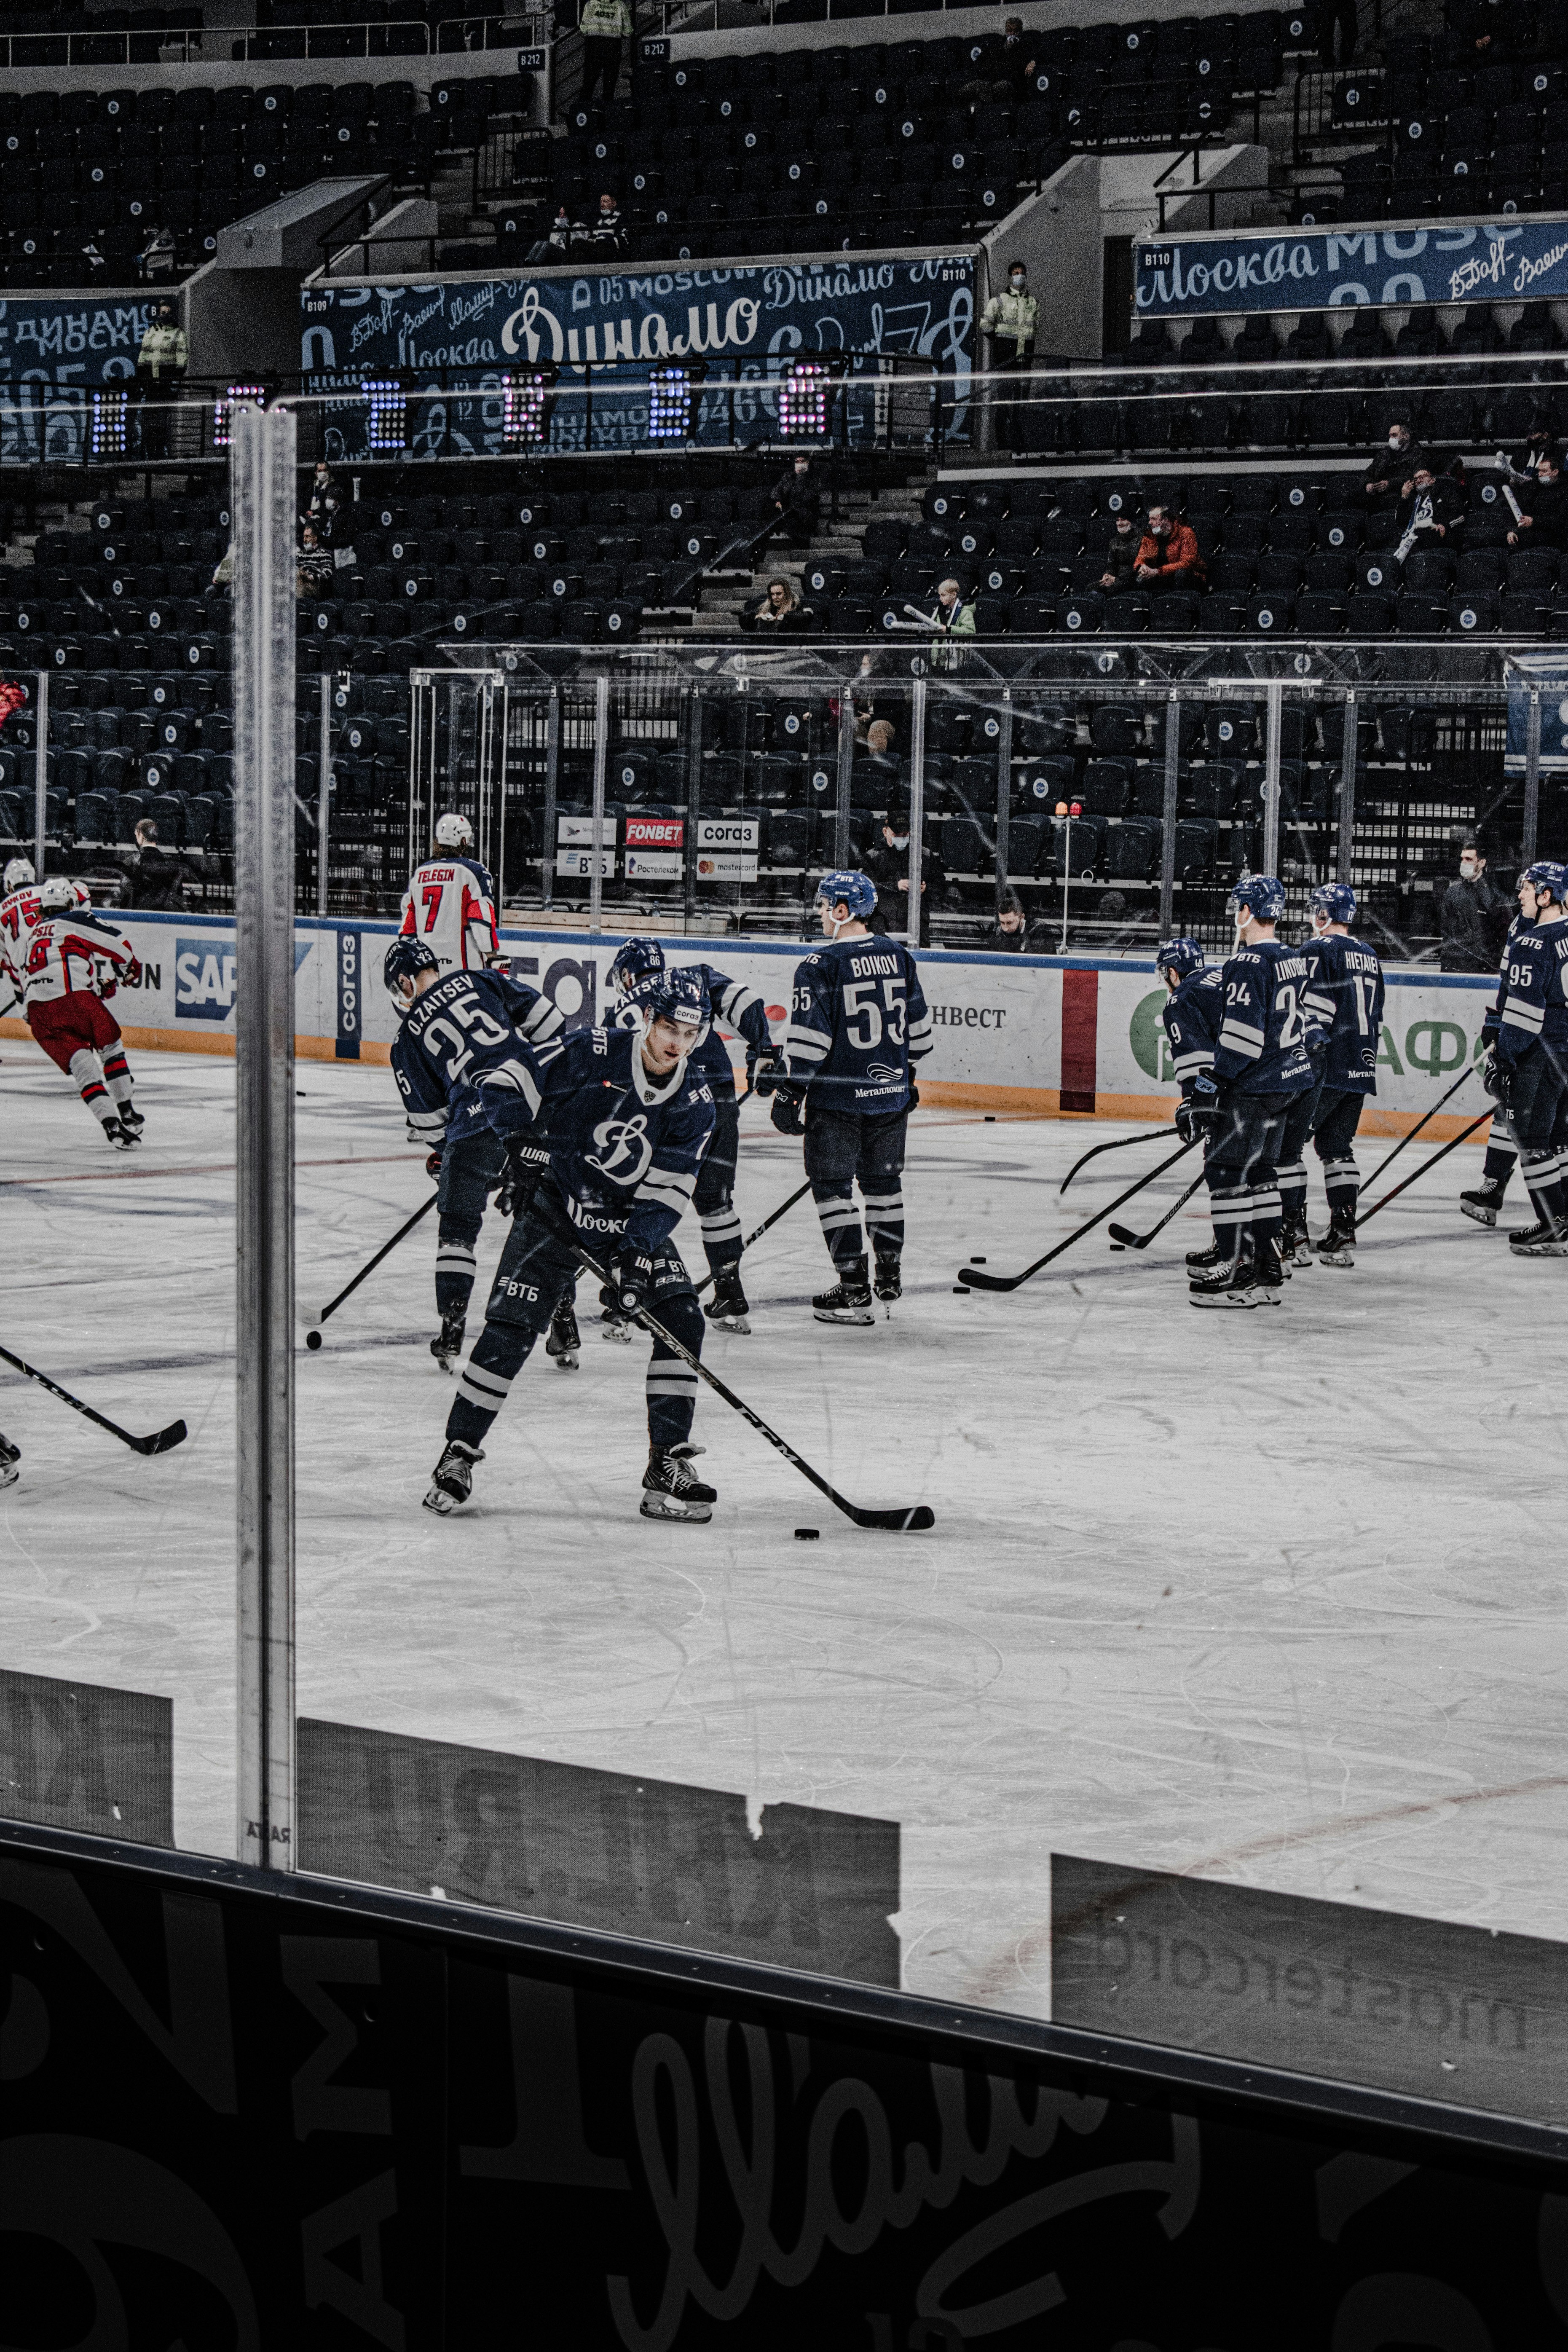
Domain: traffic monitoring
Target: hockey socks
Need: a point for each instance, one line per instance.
(1342, 1182)
(1293, 1193)
(88, 1077)
(455, 1266)
(722, 1237)
(840, 1222)
(117, 1076)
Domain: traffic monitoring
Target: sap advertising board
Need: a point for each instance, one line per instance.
(1505, 260)
(462, 337)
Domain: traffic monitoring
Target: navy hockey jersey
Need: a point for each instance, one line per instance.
(1262, 1047)
(1193, 1017)
(857, 1021)
(1532, 992)
(740, 1008)
(1345, 997)
(625, 1147)
(469, 1022)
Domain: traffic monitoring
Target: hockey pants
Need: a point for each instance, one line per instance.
(537, 1270)
(81, 1037)
(844, 1148)
(714, 1199)
(1242, 1170)
(1538, 1111)
(470, 1168)
(1333, 1141)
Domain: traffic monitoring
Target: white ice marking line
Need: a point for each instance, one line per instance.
(206, 1168)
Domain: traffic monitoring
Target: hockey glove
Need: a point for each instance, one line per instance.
(763, 1072)
(630, 1286)
(132, 975)
(1494, 1077)
(788, 1113)
(1198, 1114)
(525, 1164)
(433, 1164)
(914, 1100)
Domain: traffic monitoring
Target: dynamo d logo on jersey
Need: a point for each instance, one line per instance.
(204, 979)
(622, 1149)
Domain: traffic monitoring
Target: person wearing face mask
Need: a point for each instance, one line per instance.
(1009, 323)
(1121, 556)
(1392, 470)
(1473, 917)
(1167, 555)
(1431, 509)
(888, 864)
(1544, 511)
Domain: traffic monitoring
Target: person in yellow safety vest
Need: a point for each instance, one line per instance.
(604, 25)
(161, 365)
(1008, 323)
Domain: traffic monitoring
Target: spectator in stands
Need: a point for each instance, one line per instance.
(604, 25)
(156, 258)
(794, 501)
(1013, 68)
(1121, 556)
(556, 246)
(1521, 466)
(609, 231)
(1390, 472)
(879, 747)
(335, 527)
(161, 364)
(779, 610)
(155, 874)
(222, 580)
(313, 565)
(1008, 324)
(1168, 554)
(1009, 934)
(955, 618)
(1544, 511)
(888, 864)
(323, 486)
(1431, 510)
(1474, 916)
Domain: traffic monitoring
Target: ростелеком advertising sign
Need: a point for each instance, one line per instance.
(461, 337)
(1508, 260)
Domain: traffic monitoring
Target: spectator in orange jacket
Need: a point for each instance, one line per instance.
(1167, 554)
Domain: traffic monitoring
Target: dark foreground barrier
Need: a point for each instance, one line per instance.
(241, 2111)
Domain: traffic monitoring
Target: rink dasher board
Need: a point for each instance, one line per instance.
(1032, 1035)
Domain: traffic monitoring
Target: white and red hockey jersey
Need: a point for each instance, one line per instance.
(450, 905)
(76, 952)
(18, 913)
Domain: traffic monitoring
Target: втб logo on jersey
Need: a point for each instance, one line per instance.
(622, 1149)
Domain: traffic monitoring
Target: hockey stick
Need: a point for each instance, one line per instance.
(1425, 1168)
(313, 1339)
(1150, 1135)
(762, 1229)
(920, 1516)
(1420, 1123)
(161, 1441)
(1125, 1238)
(972, 1279)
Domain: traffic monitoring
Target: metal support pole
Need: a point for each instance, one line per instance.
(262, 503)
(1276, 707)
(1004, 793)
(845, 769)
(693, 809)
(1347, 787)
(600, 761)
(917, 804)
(323, 793)
(1168, 824)
(504, 743)
(1531, 780)
(551, 786)
(41, 772)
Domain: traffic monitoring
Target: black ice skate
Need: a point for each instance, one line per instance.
(9, 1456)
(1269, 1275)
(132, 1121)
(668, 1489)
(114, 1134)
(452, 1480)
(1231, 1282)
(448, 1344)
(1544, 1239)
(1295, 1243)
(850, 1300)
(1202, 1261)
(1337, 1247)
(562, 1341)
(728, 1310)
(613, 1325)
(1484, 1202)
(890, 1281)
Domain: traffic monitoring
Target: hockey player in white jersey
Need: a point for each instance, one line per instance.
(18, 913)
(449, 903)
(74, 960)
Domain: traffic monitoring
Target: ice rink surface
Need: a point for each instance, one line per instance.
(1277, 1597)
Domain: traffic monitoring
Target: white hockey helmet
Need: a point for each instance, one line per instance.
(56, 894)
(454, 833)
(19, 870)
(81, 892)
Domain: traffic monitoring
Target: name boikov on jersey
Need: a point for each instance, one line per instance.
(450, 905)
(740, 1008)
(18, 913)
(70, 952)
(1262, 1047)
(471, 1021)
(1193, 1018)
(1533, 990)
(857, 1023)
(625, 1147)
(1345, 997)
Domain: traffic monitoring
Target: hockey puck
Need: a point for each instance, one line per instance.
(807, 1535)
(961, 1290)
(977, 1261)
(990, 1118)
(312, 1338)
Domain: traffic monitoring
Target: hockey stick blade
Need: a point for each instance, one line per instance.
(1125, 1238)
(162, 1441)
(972, 1279)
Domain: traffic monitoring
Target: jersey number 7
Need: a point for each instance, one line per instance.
(432, 893)
(860, 1006)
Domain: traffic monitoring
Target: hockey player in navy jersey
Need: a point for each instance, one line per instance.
(1527, 1071)
(1485, 1199)
(1344, 1001)
(606, 1129)
(1260, 1063)
(858, 1025)
(742, 1009)
(450, 1027)
(1193, 1015)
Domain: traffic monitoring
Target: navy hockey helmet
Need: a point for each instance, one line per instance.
(848, 887)
(680, 996)
(1180, 955)
(1335, 901)
(635, 960)
(405, 959)
(1547, 876)
(1261, 894)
